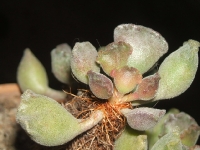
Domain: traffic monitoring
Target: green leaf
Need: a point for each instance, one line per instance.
(189, 129)
(83, 60)
(170, 141)
(131, 140)
(178, 71)
(48, 123)
(60, 62)
(148, 46)
(114, 56)
(154, 134)
(31, 74)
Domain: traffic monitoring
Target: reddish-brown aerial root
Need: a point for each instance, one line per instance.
(103, 135)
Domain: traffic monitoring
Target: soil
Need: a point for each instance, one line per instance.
(100, 137)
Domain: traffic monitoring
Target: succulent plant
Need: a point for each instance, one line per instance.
(110, 114)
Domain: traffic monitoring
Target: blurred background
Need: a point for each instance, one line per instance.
(41, 25)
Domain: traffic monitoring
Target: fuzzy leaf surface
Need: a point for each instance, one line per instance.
(148, 87)
(178, 70)
(31, 74)
(60, 62)
(170, 141)
(143, 118)
(148, 45)
(45, 120)
(126, 79)
(83, 59)
(189, 129)
(114, 56)
(131, 140)
(100, 85)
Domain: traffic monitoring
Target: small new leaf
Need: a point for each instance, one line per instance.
(147, 89)
(100, 85)
(114, 56)
(126, 79)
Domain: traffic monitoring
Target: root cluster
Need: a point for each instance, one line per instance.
(103, 135)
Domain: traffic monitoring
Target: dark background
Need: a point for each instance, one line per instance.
(41, 25)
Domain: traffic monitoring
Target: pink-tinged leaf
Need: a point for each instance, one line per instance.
(100, 85)
(114, 56)
(126, 79)
(83, 59)
(148, 45)
(147, 89)
(143, 118)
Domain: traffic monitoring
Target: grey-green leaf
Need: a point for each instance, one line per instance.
(31, 74)
(189, 129)
(148, 45)
(131, 140)
(178, 70)
(83, 59)
(60, 62)
(114, 56)
(170, 141)
(48, 123)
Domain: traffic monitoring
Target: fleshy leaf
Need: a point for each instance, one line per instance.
(60, 62)
(170, 141)
(154, 134)
(189, 129)
(114, 56)
(143, 118)
(147, 89)
(178, 71)
(126, 79)
(31, 74)
(131, 140)
(83, 59)
(148, 45)
(100, 85)
(48, 123)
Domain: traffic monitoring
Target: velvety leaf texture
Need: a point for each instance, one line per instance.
(143, 118)
(60, 62)
(83, 59)
(148, 45)
(114, 56)
(100, 85)
(147, 89)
